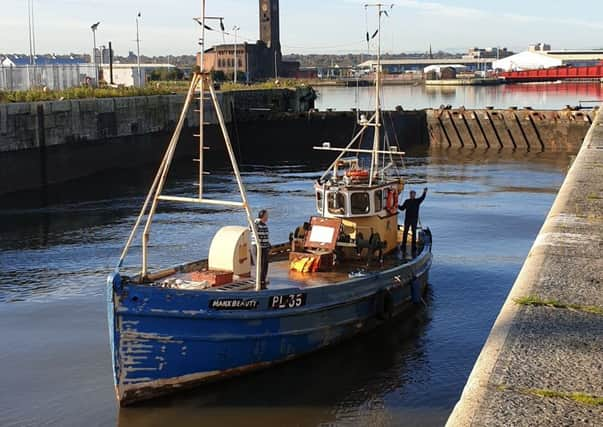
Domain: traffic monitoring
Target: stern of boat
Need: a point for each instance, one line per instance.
(114, 281)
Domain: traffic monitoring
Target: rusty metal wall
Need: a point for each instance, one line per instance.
(524, 129)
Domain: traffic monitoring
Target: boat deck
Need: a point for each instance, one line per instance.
(280, 276)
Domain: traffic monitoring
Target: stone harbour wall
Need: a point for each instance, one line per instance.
(542, 363)
(49, 142)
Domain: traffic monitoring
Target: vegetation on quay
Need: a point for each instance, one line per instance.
(578, 397)
(154, 88)
(35, 95)
(535, 301)
(586, 399)
(277, 84)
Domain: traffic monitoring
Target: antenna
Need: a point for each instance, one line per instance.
(138, 17)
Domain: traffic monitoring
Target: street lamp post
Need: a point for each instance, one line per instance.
(138, 51)
(32, 32)
(32, 42)
(101, 53)
(275, 66)
(236, 30)
(93, 28)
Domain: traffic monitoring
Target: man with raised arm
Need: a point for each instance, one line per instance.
(411, 206)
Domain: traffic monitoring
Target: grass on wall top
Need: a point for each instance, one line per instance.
(155, 88)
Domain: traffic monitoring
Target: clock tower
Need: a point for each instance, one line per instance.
(269, 24)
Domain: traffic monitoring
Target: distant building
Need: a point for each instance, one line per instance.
(103, 54)
(21, 72)
(577, 57)
(541, 55)
(259, 60)
(437, 69)
(307, 73)
(489, 53)
(526, 61)
(254, 60)
(416, 65)
(42, 60)
(539, 47)
(127, 74)
(335, 72)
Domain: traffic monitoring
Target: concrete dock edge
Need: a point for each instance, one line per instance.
(542, 363)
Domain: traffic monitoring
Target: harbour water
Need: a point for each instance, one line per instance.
(538, 96)
(484, 208)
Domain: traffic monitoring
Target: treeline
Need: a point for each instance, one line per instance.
(309, 60)
(180, 61)
(352, 59)
(186, 62)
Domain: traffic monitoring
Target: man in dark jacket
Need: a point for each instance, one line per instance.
(411, 206)
(261, 227)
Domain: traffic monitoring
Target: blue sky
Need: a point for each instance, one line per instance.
(307, 26)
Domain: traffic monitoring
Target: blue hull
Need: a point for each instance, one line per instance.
(163, 340)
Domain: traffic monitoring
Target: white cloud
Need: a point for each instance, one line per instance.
(441, 9)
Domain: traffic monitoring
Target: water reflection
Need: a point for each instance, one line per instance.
(550, 96)
(348, 384)
(555, 159)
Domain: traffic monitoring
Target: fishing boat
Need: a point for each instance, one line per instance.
(340, 274)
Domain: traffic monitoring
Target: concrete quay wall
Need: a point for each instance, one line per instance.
(543, 361)
(50, 142)
(46, 143)
(258, 135)
(517, 129)
(87, 120)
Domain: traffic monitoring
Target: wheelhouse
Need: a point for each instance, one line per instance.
(351, 202)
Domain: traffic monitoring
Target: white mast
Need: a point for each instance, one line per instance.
(377, 138)
(377, 125)
(374, 121)
(138, 51)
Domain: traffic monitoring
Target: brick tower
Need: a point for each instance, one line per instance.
(269, 24)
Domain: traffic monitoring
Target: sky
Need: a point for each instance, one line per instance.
(307, 26)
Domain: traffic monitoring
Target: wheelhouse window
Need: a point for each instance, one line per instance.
(360, 203)
(378, 200)
(319, 201)
(336, 203)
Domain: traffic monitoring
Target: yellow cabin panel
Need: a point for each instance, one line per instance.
(386, 227)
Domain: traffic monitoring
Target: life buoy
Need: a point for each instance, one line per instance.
(392, 201)
(357, 174)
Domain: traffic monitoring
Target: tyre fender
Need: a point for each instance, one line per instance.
(384, 305)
